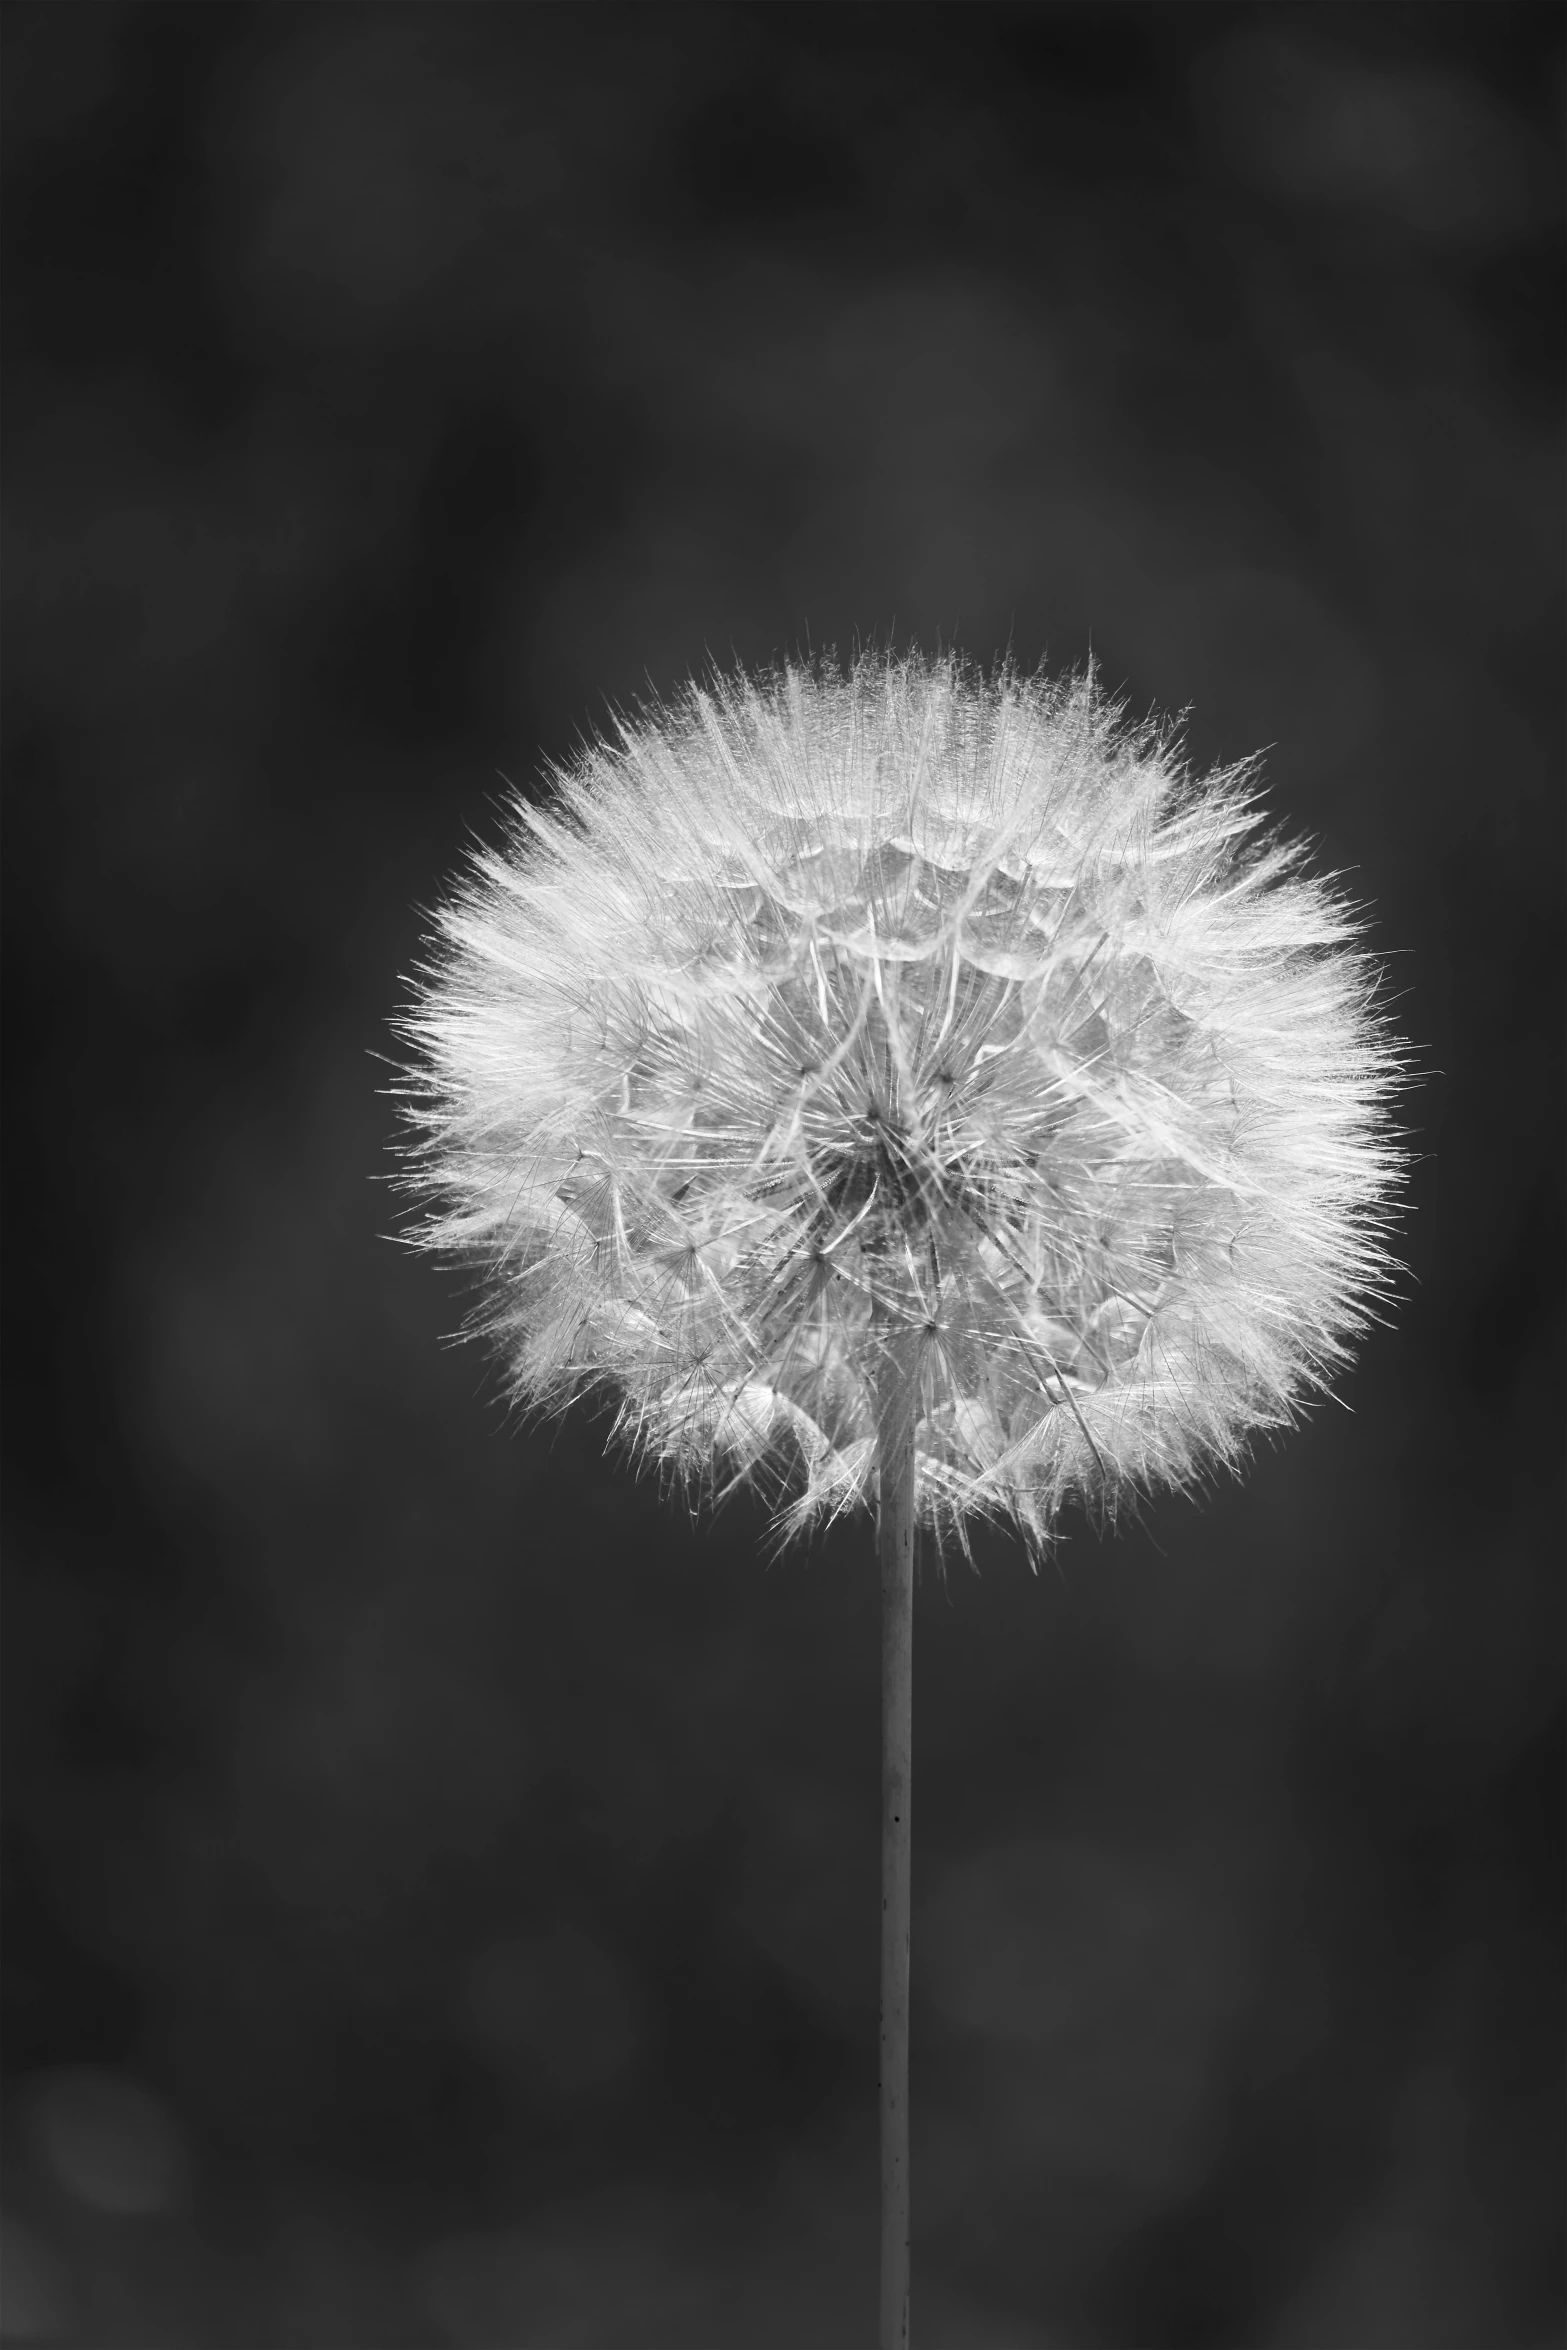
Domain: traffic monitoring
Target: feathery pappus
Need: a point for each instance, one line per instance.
(901, 1005)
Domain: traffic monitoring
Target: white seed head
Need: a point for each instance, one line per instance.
(837, 1010)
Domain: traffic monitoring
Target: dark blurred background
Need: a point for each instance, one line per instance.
(441, 1882)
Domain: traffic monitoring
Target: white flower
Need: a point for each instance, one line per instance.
(832, 1011)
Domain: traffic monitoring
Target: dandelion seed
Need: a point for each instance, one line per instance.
(828, 1007)
(911, 1089)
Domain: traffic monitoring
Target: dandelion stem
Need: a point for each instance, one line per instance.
(896, 1415)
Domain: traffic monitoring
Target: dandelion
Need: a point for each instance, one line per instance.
(910, 1089)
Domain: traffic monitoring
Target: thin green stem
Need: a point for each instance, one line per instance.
(896, 1416)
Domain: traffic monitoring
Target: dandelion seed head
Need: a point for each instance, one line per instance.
(838, 1011)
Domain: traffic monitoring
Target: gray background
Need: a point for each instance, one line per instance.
(441, 1882)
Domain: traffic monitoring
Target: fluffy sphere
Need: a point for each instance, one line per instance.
(836, 1019)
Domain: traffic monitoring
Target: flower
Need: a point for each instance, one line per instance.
(900, 1012)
